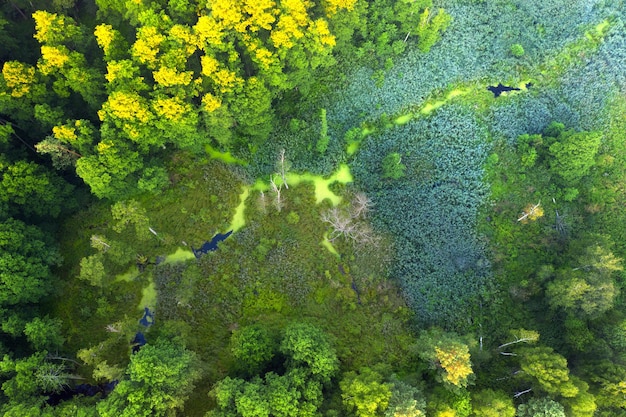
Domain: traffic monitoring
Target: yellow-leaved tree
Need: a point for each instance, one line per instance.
(447, 354)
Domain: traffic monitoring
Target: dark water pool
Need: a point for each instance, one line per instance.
(211, 245)
(499, 89)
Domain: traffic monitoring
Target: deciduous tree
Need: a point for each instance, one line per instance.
(364, 393)
(540, 407)
(159, 379)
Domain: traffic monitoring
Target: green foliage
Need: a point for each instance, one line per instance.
(322, 142)
(588, 289)
(364, 394)
(160, 377)
(608, 378)
(26, 257)
(577, 335)
(405, 401)
(131, 212)
(28, 188)
(548, 371)
(572, 154)
(444, 402)
(540, 407)
(432, 210)
(291, 394)
(252, 347)
(587, 293)
(44, 333)
(430, 27)
(293, 218)
(310, 362)
(307, 345)
(392, 166)
(490, 403)
(153, 180)
(583, 404)
(27, 379)
(92, 270)
(517, 50)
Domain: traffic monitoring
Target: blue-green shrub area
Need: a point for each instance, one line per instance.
(476, 46)
(432, 210)
(578, 101)
(298, 136)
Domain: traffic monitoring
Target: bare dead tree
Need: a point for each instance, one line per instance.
(364, 234)
(283, 167)
(344, 224)
(263, 202)
(361, 205)
(340, 221)
(113, 328)
(560, 225)
(278, 203)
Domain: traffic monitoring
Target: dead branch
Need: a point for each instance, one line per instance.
(278, 203)
(520, 393)
(281, 161)
(361, 205)
(530, 212)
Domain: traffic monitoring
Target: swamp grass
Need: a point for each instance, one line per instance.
(274, 270)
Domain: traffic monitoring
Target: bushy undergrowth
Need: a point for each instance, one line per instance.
(275, 270)
(476, 46)
(578, 100)
(432, 211)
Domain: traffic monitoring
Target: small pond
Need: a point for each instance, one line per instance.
(211, 245)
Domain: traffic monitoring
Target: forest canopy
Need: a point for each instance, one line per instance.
(358, 208)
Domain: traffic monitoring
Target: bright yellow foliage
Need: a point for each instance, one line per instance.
(126, 106)
(446, 413)
(264, 56)
(186, 37)
(64, 133)
(146, 47)
(286, 30)
(52, 28)
(325, 37)
(18, 77)
(114, 68)
(173, 109)
(104, 146)
(208, 30)
(210, 102)
(133, 133)
(229, 13)
(44, 24)
(333, 6)
(297, 9)
(226, 80)
(209, 65)
(53, 57)
(168, 77)
(261, 14)
(104, 36)
(455, 361)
